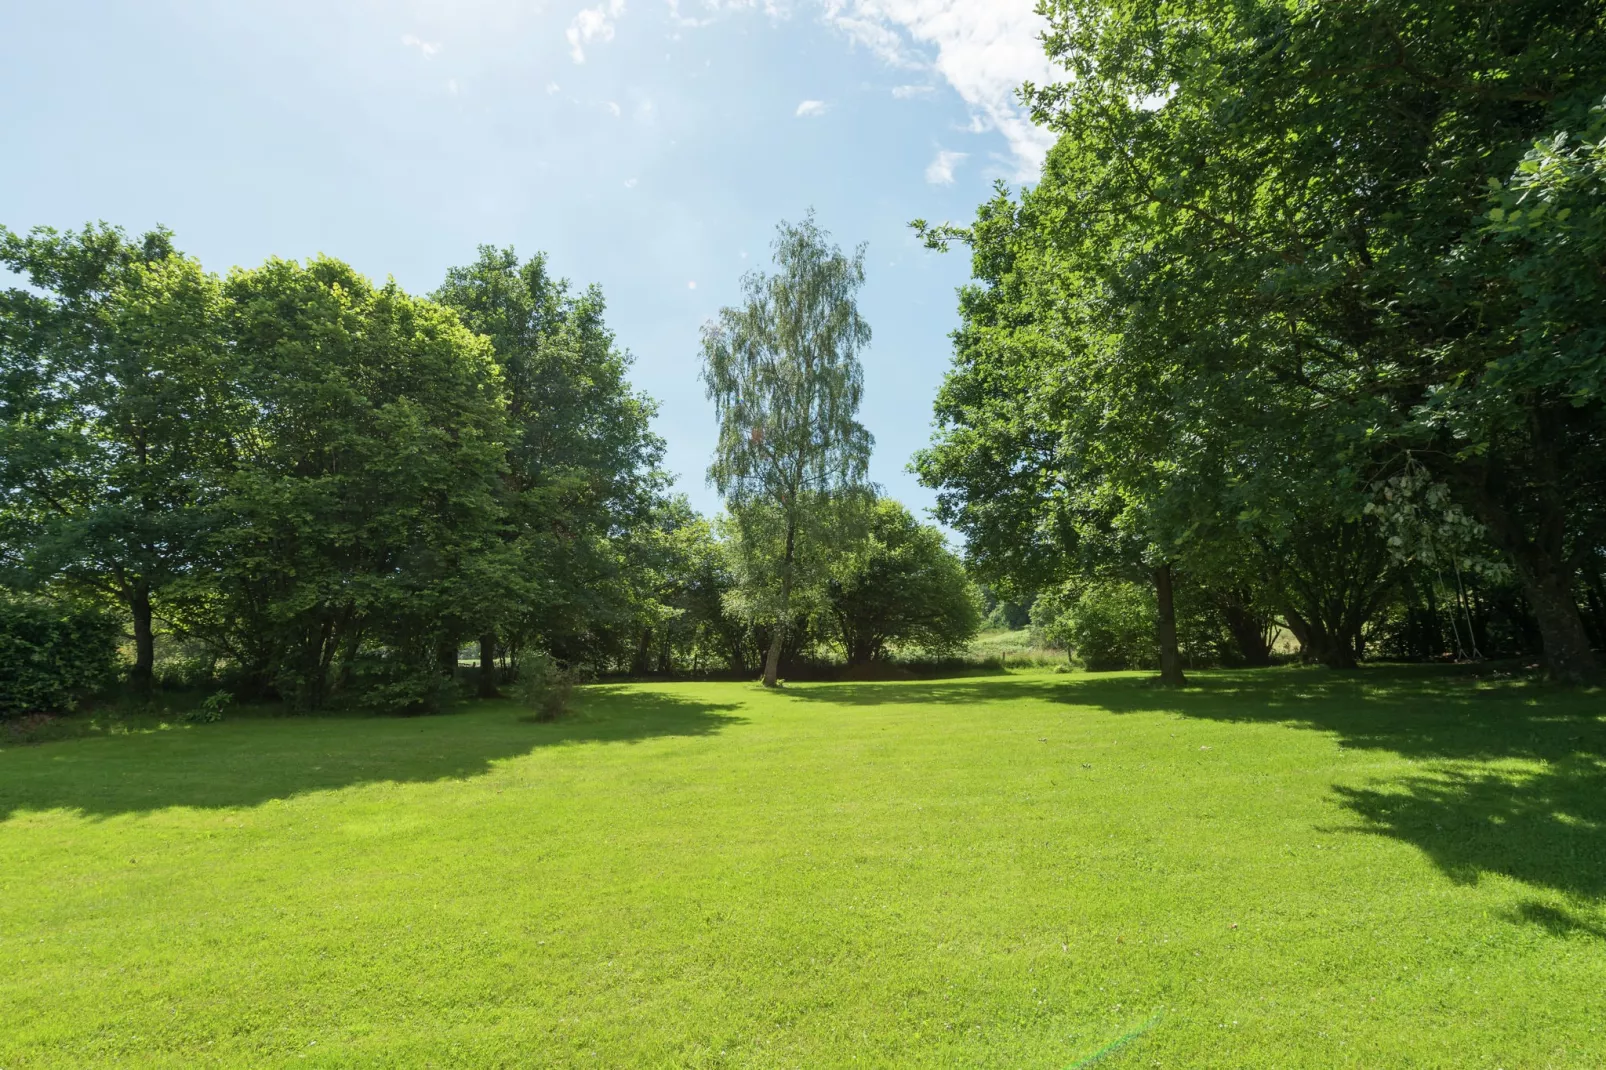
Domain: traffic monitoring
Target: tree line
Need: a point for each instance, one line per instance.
(1302, 326)
(329, 489)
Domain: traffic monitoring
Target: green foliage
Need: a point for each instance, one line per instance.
(582, 496)
(1002, 614)
(1105, 625)
(783, 373)
(362, 505)
(211, 709)
(544, 687)
(898, 585)
(1265, 270)
(116, 411)
(52, 652)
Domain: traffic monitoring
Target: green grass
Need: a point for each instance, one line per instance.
(1016, 648)
(1290, 868)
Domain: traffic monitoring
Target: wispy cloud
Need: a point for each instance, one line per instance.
(593, 24)
(451, 86)
(810, 108)
(909, 92)
(940, 172)
(985, 49)
(613, 108)
(427, 48)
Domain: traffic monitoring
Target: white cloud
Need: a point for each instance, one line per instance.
(691, 286)
(940, 172)
(983, 48)
(552, 88)
(908, 92)
(451, 86)
(593, 24)
(810, 108)
(613, 109)
(427, 48)
(630, 183)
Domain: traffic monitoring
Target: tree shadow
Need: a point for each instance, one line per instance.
(249, 761)
(1512, 778)
(1554, 921)
(1542, 828)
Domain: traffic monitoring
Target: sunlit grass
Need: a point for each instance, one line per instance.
(1016, 648)
(1287, 868)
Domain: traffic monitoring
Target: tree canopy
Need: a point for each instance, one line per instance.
(1281, 254)
(783, 373)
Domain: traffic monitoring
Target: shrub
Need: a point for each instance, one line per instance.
(1106, 625)
(52, 653)
(544, 687)
(211, 710)
(409, 691)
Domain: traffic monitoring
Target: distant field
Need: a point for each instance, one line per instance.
(1015, 646)
(1276, 869)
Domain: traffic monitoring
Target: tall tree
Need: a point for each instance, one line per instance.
(784, 375)
(362, 508)
(115, 414)
(582, 461)
(1344, 203)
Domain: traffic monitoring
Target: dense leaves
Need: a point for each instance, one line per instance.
(329, 485)
(900, 586)
(783, 373)
(1282, 252)
(52, 653)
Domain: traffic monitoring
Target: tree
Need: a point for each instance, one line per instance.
(582, 461)
(1054, 463)
(900, 585)
(361, 509)
(784, 375)
(1317, 201)
(116, 415)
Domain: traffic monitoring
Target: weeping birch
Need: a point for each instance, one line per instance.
(783, 372)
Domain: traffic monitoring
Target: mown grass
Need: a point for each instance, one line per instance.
(1275, 869)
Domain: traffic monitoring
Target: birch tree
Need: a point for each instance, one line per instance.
(783, 372)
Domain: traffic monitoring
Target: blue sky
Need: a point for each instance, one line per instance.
(649, 146)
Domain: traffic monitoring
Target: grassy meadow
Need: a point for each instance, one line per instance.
(1289, 868)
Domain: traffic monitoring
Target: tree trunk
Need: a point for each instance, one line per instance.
(1248, 632)
(1537, 547)
(1595, 596)
(641, 660)
(772, 664)
(1170, 657)
(487, 682)
(348, 657)
(139, 603)
(1568, 657)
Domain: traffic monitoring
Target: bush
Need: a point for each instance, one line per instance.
(52, 653)
(408, 691)
(1106, 625)
(543, 687)
(211, 710)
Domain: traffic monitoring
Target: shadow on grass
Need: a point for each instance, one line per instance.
(1513, 773)
(248, 761)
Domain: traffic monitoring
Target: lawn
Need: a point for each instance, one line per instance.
(1277, 869)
